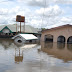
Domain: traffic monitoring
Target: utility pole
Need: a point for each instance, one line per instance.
(43, 13)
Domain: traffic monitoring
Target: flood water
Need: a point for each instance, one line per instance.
(44, 57)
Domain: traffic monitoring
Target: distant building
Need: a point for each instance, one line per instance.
(8, 31)
(28, 29)
(61, 34)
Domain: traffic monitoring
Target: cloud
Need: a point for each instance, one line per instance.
(8, 16)
(63, 1)
(3, 20)
(52, 17)
(42, 3)
(49, 17)
(3, 11)
(50, 11)
(58, 21)
(67, 20)
(20, 0)
(3, 1)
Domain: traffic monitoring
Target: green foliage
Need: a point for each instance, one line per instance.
(42, 29)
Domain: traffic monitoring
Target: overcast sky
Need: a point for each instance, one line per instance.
(38, 13)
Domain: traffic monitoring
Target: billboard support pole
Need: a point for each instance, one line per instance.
(20, 27)
(16, 28)
(24, 25)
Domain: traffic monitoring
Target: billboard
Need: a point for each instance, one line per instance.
(20, 18)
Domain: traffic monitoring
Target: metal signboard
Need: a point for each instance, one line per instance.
(20, 18)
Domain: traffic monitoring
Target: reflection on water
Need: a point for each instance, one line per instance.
(5, 43)
(47, 57)
(18, 55)
(61, 45)
(48, 45)
(58, 50)
(69, 46)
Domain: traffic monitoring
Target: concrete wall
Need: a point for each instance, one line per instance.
(63, 31)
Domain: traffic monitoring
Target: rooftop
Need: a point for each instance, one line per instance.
(57, 27)
(28, 28)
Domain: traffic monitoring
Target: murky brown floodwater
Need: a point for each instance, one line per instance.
(47, 57)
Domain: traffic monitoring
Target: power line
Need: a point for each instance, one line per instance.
(43, 14)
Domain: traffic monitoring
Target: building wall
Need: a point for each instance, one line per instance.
(6, 31)
(63, 31)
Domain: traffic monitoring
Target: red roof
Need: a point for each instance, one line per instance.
(57, 27)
